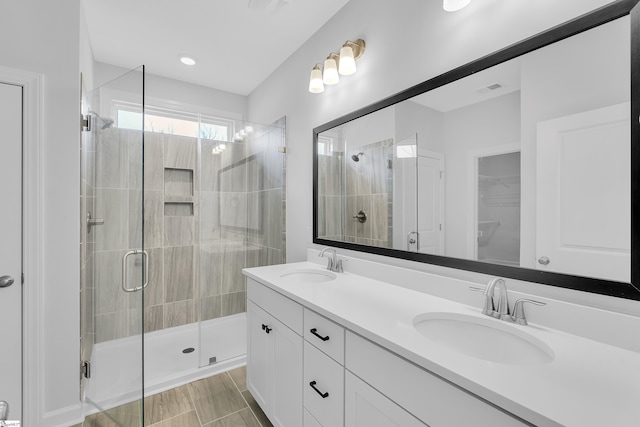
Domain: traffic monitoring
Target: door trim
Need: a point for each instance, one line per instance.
(32, 256)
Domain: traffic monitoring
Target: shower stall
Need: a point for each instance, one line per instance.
(174, 205)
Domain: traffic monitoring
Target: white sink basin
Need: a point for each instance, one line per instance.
(309, 275)
(488, 339)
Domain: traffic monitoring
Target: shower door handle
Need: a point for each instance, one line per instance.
(145, 272)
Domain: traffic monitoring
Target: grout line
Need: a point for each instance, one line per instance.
(193, 401)
(245, 400)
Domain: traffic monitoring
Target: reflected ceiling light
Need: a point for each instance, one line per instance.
(330, 72)
(336, 64)
(315, 81)
(187, 60)
(248, 128)
(454, 5)
(349, 53)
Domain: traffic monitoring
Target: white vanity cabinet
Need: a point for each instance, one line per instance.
(430, 399)
(323, 370)
(306, 370)
(366, 407)
(274, 354)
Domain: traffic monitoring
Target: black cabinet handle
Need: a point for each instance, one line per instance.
(266, 328)
(313, 386)
(314, 331)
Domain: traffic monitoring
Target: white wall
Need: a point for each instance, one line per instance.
(169, 93)
(408, 41)
(43, 37)
(483, 125)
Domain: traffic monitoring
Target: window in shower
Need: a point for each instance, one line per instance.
(172, 122)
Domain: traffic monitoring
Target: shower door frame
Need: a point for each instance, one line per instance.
(120, 250)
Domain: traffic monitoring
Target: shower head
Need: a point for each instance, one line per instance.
(103, 122)
(106, 122)
(356, 157)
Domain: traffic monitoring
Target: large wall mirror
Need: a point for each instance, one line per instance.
(521, 164)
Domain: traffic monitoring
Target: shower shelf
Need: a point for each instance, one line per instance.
(179, 199)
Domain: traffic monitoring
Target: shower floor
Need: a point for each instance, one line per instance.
(179, 407)
(116, 369)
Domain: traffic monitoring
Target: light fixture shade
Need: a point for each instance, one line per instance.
(347, 61)
(330, 74)
(315, 81)
(454, 5)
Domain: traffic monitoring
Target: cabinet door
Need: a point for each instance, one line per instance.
(366, 407)
(259, 350)
(287, 376)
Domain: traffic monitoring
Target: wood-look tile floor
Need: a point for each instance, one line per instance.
(219, 401)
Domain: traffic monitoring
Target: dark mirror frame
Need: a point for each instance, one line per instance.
(578, 25)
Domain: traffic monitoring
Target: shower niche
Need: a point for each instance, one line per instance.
(178, 192)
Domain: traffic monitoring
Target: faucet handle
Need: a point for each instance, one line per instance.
(518, 310)
(330, 258)
(488, 308)
(338, 267)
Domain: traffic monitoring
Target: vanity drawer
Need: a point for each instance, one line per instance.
(309, 421)
(432, 400)
(288, 312)
(325, 335)
(323, 387)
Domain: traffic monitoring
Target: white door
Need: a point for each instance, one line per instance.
(405, 209)
(11, 248)
(584, 194)
(258, 354)
(430, 195)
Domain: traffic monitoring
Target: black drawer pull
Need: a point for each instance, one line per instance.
(313, 386)
(314, 331)
(266, 328)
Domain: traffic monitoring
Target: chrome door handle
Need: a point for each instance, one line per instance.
(544, 260)
(145, 255)
(6, 281)
(413, 238)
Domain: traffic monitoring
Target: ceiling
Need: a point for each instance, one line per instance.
(237, 43)
(484, 85)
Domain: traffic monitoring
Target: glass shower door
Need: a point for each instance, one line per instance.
(114, 257)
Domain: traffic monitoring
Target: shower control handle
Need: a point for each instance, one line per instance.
(361, 216)
(266, 328)
(543, 260)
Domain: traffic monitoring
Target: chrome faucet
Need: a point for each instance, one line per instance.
(333, 262)
(501, 309)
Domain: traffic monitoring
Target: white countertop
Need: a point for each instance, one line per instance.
(588, 383)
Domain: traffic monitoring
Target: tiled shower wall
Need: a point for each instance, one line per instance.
(366, 185)
(206, 217)
(331, 196)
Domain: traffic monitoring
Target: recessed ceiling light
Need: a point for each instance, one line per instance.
(187, 60)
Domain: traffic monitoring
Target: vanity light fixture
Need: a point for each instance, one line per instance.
(330, 73)
(336, 65)
(454, 5)
(349, 52)
(315, 81)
